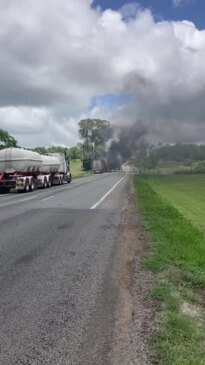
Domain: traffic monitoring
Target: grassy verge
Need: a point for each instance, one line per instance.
(178, 260)
(186, 193)
(76, 169)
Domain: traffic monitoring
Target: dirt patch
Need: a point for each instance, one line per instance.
(201, 294)
(136, 311)
(191, 310)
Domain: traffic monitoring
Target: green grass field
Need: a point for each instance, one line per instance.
(172, 209)
(76, 169)
(185, 193)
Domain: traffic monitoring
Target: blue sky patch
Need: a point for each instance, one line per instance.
(192, 10)
(111, 100)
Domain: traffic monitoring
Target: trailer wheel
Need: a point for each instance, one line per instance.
(45, 184)
(49, 183)
(32, 186)
(27, 187)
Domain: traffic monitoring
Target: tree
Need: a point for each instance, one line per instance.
(75, 153)
(54, 149)
(42, 150)
(95, 134)
(6, 140)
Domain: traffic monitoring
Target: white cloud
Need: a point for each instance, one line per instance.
(61, 54)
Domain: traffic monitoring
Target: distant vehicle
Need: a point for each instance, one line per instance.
(99, 166)
(26, 170)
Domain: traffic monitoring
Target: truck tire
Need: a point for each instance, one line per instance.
(27, 186)
(49, 183)
(69, 179)
(45, 184)
(32, 187)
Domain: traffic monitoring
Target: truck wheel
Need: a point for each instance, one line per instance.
(45, 184)
(32, 186)
(27, 187)
(69, 179)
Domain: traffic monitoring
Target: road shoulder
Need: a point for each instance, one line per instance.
(135, 316)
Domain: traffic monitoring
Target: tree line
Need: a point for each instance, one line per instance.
(94, 136)
(150, 157)
(177, 152)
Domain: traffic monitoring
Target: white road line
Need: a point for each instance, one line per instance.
(108, 193)
(49, 197)
(25, 199)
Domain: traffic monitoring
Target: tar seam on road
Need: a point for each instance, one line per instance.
(108, 193)
(49, 197)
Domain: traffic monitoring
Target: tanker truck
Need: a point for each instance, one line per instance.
(25, 170)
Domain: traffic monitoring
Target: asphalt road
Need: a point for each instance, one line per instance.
(57, 293)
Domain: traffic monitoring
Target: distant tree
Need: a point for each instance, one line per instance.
(53, 149)
(178, 152)
(200, 168)
(87, 164)
(142, 159)
(6, 140)
(95, 134)
(41, 150)
(75, 153)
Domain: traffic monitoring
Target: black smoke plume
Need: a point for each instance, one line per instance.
(126, 145)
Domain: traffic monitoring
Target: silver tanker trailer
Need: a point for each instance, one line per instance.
(26, 170)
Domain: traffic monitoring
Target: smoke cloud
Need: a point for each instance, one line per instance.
(127, 143)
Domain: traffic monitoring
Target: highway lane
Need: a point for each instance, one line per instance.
(58, 296)
(15, 197)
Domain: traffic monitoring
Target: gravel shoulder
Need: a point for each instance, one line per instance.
(135, 316)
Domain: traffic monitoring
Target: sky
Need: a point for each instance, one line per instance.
(178, 10)
(127, 62)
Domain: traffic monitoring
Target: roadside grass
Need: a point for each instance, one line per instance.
(185, 193)
(178, 260)
(76, 169)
